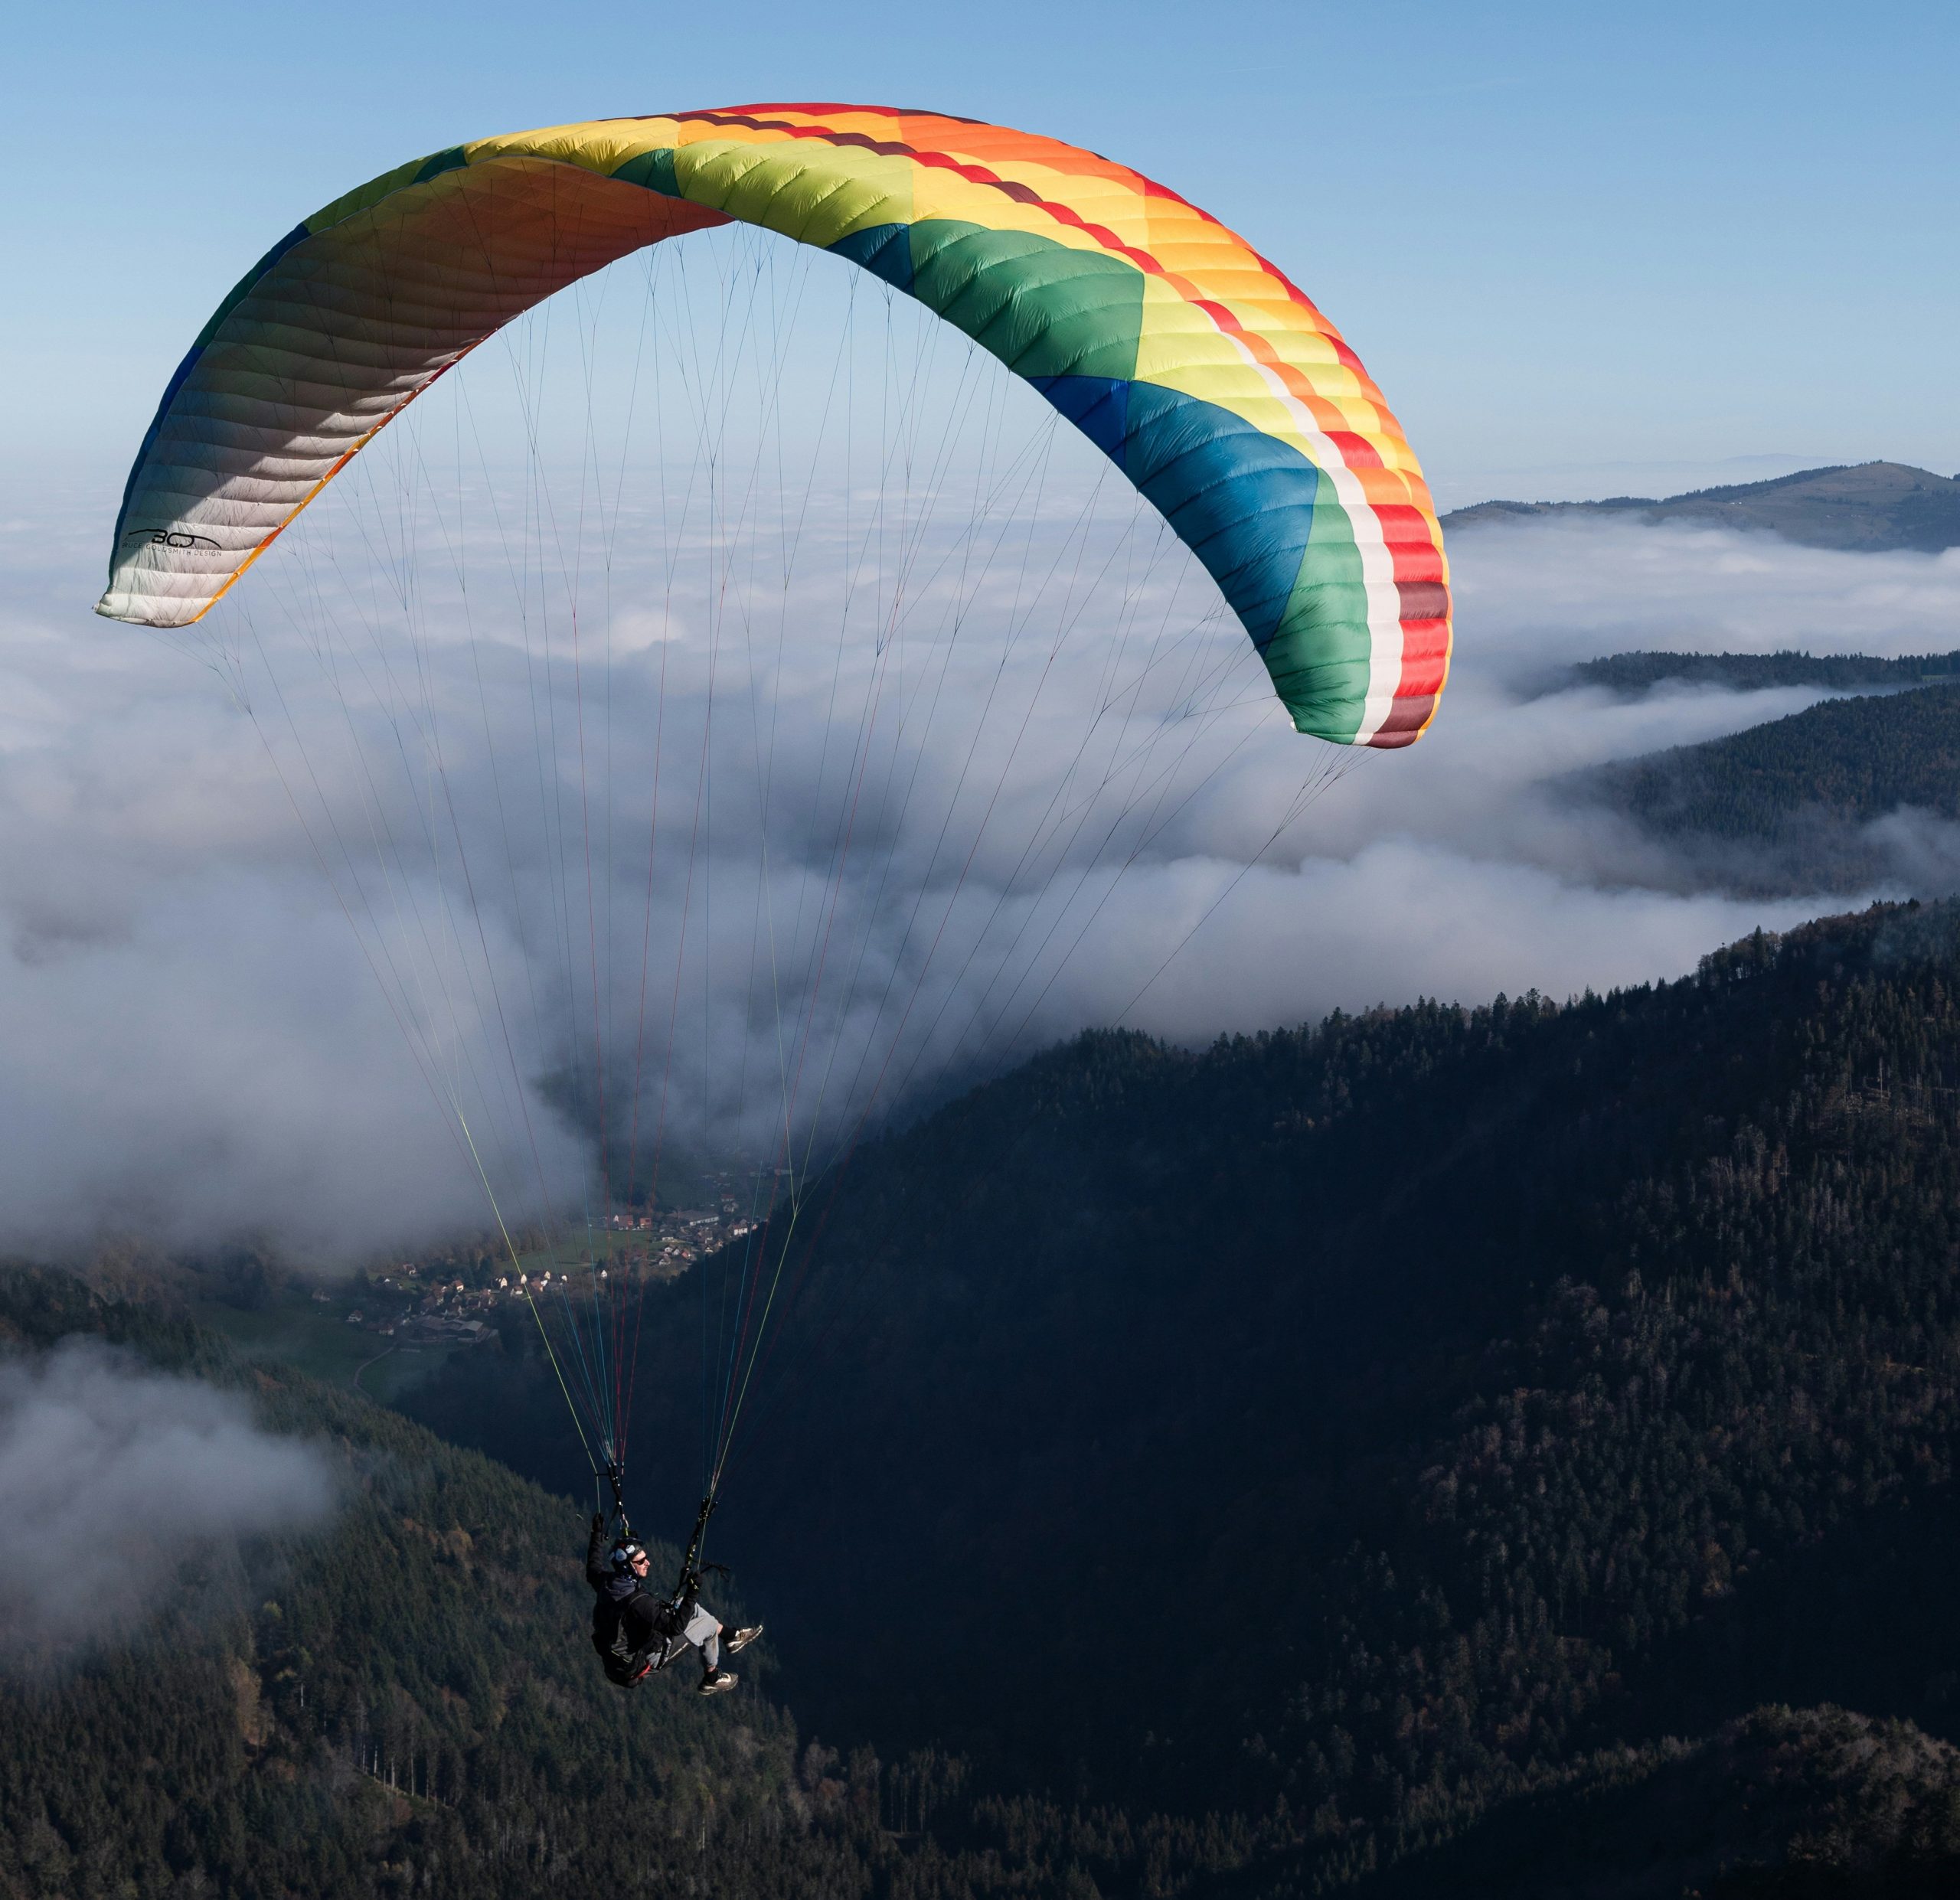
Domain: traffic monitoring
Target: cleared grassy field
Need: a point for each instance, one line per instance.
(574, 1250)
(297, 1330)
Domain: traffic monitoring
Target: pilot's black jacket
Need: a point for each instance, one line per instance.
(629, 1623)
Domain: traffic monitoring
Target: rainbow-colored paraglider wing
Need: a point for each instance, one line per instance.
(1216, 386)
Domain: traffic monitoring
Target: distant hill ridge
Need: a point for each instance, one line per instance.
(1870, 507)
(1754, 672)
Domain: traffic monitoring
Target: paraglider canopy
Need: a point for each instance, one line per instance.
(1214, 385)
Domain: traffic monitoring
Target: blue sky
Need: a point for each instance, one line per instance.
(1573, 243)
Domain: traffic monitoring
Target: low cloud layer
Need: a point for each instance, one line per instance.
(114, 1477)
(1568, 587)
(319, 924)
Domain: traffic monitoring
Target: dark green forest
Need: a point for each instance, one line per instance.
(1400, 1455)
(1782, 808)
(402, 1704)
(1753, 672)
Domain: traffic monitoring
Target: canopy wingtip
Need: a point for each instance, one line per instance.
(149, 610)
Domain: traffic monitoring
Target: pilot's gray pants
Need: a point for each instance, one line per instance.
(704, 1630)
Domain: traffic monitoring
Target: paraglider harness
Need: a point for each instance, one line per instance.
(624, 1663)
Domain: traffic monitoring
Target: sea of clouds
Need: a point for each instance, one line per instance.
(319, 920)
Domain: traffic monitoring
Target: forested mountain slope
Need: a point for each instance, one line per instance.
(1783, 806)
(1871, 507)
(1369, 1435)
(405, 1702)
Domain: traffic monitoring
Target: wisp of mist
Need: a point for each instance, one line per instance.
(112, 1477)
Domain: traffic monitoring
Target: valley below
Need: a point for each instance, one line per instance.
(1437, 1451)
